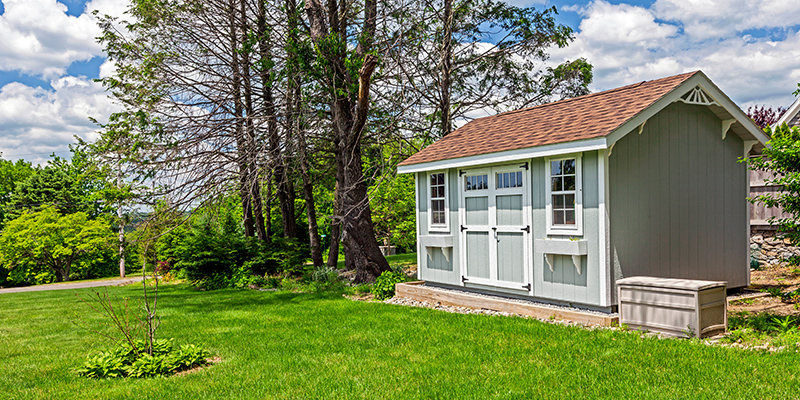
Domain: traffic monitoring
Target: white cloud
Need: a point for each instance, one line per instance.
(40, 39)
(35, 122)
(705, 19)
(628, 44)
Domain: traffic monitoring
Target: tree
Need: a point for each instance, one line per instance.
(468, 57)
(394, 210)
(765, 116)
(346, 78)
(69, 185)
(782, 157)
(11, 173)
(47, 240)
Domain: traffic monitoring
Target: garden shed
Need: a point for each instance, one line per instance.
(556, 202)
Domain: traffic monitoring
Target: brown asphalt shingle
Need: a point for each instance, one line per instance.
(585, 117)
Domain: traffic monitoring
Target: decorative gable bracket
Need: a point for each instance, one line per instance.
(697, 96)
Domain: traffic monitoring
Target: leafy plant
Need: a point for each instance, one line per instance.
(384, 284)
(783, 325)
(739, 335)
(123, 361)
(774, 291)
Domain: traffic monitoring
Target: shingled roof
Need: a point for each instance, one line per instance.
(586, 117)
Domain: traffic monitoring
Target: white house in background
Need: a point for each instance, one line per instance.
(557, 202)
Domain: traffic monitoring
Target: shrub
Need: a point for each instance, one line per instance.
(384, 285)
(123, 361)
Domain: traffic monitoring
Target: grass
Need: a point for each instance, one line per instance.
(287, 345)
(400, 260)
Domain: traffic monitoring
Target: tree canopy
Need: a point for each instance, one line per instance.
(46, 241)
(782, 157)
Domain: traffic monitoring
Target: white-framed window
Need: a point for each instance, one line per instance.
(564, 203)
(438, 207)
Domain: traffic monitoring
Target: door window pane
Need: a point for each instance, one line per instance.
(476, 182)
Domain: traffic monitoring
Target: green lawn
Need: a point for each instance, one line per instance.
(402, 260)
(286, 345)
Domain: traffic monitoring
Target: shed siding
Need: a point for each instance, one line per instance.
(564, 284)
(677, 199)
(436, 268)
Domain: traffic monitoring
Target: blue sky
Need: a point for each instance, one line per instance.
(750, 49)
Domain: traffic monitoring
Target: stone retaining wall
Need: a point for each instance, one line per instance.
(768, 248)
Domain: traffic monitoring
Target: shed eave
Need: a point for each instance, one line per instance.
(751, 130)
(508, 156)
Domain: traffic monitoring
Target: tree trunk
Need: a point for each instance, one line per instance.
(121, 219)
(349, 118)
(336, 224)
(446, 68)
(252, 171)
(239, 134)
(121, 238)
(311, 211)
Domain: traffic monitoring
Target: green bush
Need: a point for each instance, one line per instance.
(125, 361)
(384, 285)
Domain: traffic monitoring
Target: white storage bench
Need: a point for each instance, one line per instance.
(676, 307)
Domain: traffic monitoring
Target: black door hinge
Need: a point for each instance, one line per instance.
(463, 279)
(461, 173)
(527, 228)
(463, 228)
(528, 286)
(524, 166)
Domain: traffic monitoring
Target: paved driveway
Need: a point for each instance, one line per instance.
(74, 285)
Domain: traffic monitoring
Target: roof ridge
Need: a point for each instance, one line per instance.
(604, 92)
(584, 117)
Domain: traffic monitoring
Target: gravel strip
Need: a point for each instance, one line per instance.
(711, 341)
(529, 302)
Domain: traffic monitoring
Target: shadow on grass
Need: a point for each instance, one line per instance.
(185, 299)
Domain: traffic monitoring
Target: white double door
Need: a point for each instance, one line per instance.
(495, 226)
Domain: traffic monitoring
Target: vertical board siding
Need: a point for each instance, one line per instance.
(564, 283)
(439, 262)
(478, 254)
(477, 210)
(677, 199)
(509, 210)
(510, 258)
(437, 268)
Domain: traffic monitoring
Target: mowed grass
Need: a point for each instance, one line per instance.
(397, 260)
(322, 346)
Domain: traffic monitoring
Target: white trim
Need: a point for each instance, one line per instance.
(556, 149)
(747, 217)
(564, 229)
(602, 224)
(439, 227)
(748, 145)
(492, 227)
(789, 114)
(496, 283)
(698, 97)
(419, 228)
(698, 80)
(705, 84)
(726, 125)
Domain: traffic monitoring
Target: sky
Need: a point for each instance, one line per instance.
(749, 48)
